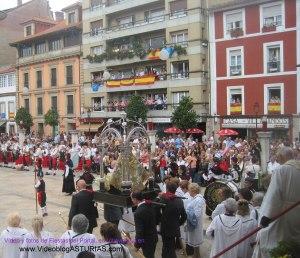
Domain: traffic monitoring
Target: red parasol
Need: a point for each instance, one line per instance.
(194, 131)
(173, 130)
(227, 132)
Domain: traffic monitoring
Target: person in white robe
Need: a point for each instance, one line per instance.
(245, 249)
(283, 192)
(194, 228)
(40, 240)
(256, 202)
(225, 193)
(12, 238)
(78, 237)
(225, 230)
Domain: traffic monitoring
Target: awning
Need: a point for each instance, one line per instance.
(2, 122)
(85, 127)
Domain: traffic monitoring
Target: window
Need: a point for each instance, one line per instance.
(179, 37)
(96, 27)
(97, 50)
(69, 74)
(40, 129)
(180, 70)
(273, 56)
(235, 100)
(26, 80)
(11, 80)
(155, 15)
(70, 105)
(26, 51)
(11, 109)
(234, 24)
(40, 48)
(235, 62)
(274, 99)
(177, 96)
(26, 105)
(55, 44)
(272, 15)
(72, 39)
(178, 9)
(39, 106)
(2, 110)
(71, 17)
(98, 103)
(155, 42)
(28, 30)
(39, 80)
(125, 22)
(95, 4)
(53, 77)
(3, 80)
(54, 102)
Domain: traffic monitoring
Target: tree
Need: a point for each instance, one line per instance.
(51, 118)
(23, 119)
(136, 109)
(184, 116)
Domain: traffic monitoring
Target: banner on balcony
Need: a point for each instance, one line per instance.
(235, 109)
(127, 82)
(274, 108)
(144, 80)
(116, 83)
(154, 54)
(96, 86)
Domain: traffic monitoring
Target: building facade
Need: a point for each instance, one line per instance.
(7, 100)
(49, 67)
(122, 41)
(253, 65)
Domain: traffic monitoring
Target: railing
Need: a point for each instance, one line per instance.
(273, 66)
(235, 70)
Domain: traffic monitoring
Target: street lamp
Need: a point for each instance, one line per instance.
(89, 119)
(256, 109)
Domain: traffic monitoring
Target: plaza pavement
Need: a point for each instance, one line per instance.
(17, 194)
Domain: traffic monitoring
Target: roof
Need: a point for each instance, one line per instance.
(7, 69)
(61, 26)
(71, 6)
(38, 19)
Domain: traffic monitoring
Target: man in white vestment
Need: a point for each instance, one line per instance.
(283, 192)
(225, 230)
(11, 238)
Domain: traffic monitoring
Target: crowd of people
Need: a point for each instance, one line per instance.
(181, 167)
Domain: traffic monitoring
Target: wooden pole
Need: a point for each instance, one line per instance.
(36, 201)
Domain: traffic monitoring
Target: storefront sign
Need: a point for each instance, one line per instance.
(253, 123)
(92, 120)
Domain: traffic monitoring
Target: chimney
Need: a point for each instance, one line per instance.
(59, 16)
(19, 2)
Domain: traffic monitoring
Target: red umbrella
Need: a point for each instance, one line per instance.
(227, 132)
(173, 130)
(194, 131)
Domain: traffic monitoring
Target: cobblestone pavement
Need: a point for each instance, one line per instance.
(18, 194)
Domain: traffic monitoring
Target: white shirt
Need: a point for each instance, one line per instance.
(272, 167)
(220, 209)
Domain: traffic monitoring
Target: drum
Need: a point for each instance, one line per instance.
(212, 194)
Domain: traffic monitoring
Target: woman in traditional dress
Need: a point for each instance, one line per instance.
(68, 182)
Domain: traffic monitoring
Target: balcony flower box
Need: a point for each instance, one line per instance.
(235, 109)
(274, 108)
(235, 33)
(269, 28)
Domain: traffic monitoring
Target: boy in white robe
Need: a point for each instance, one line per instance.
(225, 230)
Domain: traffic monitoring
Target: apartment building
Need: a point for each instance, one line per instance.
(122, 40)
(48, 68)
(253, 46)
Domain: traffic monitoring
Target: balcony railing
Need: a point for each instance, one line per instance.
(235, 70)
(273, 66)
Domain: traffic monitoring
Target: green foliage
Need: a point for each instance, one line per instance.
(136, 109)
(51, 117)
(23, 118)
(180, 50)
(184, 116)
(285, 250)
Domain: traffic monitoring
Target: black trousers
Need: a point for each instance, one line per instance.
(168, 248)
(149, 249)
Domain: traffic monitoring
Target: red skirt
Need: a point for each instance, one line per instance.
(54, 163)
(45, 162)
(10, 157)
(26, 160)
(79, 167)
(61, 165)
(19, 160)
(88, 163)
(1, 156)
(41, 198)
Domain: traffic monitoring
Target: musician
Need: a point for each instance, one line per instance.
(235, 171)
(26, 155)
(45, 158)
(87, 156)
(53, 158)
(40, 187)
(62, 154)
(145, 225)
(225, 193)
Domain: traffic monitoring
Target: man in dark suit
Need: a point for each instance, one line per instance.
(145, 225)
(172, 217)
(82, 203)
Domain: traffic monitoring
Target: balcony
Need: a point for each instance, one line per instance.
(235, 70)
(69, 51)
(274, 108)
(273, 66)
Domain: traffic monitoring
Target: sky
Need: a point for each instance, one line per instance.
(56, 5)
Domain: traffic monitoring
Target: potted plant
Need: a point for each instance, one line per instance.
(237, 32)
(269, 27)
